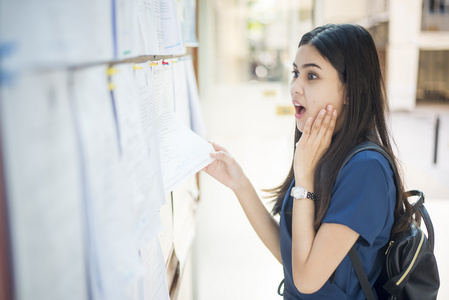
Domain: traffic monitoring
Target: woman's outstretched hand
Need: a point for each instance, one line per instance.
(315, 140)
(225, 169)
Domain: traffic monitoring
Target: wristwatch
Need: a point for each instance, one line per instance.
(298, 192)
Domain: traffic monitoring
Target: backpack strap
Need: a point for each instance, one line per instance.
(353, 255)
(361, 275)
(375, 147)
(419, 205)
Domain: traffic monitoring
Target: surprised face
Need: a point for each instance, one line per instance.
(315, 84)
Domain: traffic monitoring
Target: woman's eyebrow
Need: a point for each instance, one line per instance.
(308, 65)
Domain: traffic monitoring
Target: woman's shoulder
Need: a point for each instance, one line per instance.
(368, 158)
(366, 165)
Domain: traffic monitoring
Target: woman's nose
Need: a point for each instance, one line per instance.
(297, 86)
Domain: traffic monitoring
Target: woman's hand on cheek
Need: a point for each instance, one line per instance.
(315, 139)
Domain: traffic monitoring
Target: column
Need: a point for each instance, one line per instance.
(403, 53)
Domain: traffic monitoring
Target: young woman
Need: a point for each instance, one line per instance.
(337, 90)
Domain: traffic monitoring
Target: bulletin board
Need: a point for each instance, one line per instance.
(101, 138)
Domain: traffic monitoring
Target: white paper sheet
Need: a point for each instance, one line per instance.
(49, 33)
(188, 23)
(114, 260)
(184, 212)
(127, 28)
(148, 24)
(44, 190)
(144, 81)
(166, 236)
(159, 29)
(181, 92)
(183, 153)
(169, 36)
(154, 280)
(140, 157)
(196, 115)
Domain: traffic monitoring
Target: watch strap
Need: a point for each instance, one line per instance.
(311, 196)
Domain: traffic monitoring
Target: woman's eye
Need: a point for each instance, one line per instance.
(311, 76)
(295, 74)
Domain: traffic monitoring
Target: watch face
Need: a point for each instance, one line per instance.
(299, 193)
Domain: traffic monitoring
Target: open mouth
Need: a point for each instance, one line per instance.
(299, 110)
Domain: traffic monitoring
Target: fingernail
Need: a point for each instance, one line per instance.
(322, 112)
(329, 108)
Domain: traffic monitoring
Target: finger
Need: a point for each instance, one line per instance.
(306, 130)
(325, 124)
(218, 147)
(222, 156)
(330, 131)
(318, 123)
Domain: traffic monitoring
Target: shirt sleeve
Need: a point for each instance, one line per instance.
(361, 196)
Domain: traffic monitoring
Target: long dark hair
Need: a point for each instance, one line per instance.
(352, 52)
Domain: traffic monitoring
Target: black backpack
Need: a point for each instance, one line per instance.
(410, 270)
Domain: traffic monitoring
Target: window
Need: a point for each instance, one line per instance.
(435, 16)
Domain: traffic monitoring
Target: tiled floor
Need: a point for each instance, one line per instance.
(230, 261)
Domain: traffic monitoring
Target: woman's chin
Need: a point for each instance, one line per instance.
(300, 126)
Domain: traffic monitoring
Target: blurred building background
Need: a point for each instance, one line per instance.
(256, 39)
(245, 57)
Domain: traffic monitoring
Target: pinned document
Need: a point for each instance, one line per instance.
(155, 285)
(109, 196)
(48, 34)
(170, 40)
(44, 188)
(183, 153)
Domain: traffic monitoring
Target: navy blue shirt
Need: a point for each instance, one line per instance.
(363, 199)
